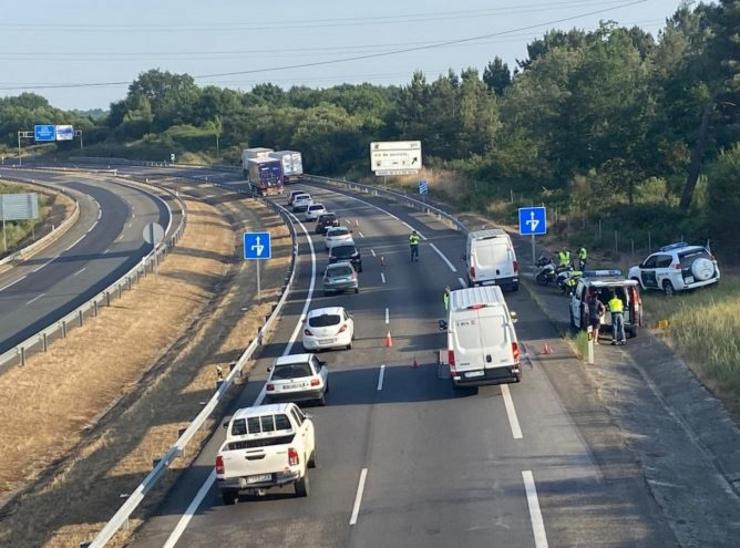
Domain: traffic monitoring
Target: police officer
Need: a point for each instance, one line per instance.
(616, 308)
(446, 297)
(582, 255)
(414, 240)
(564, 258)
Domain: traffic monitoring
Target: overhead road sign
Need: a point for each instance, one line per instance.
(65, 133)
(19, 207)
(395, 157)
(257, 246)
(532, 221)
(44, 133)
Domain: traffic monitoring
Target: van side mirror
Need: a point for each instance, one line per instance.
(225, 425)
(514, 317)
(322, 364)
(269, 369)
(443, 325)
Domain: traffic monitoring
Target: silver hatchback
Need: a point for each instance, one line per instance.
(340, 276)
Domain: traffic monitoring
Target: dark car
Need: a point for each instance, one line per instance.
(346, 252)
(325, 221)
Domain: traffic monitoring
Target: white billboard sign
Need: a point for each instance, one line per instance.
(395, 157)
(65, 133)
(17, 207)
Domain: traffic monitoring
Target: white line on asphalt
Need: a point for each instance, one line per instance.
(372, 252)
(210, 480)
(358, 497)
(80, 271)
(190, 512)
(382, 277)
(36, 298)
(516, 431)
(380, 377)
(462, 282)
(387, 213)
(412, 228)
(100, 213)
(445, 259)
(361, 234)
(387, 317)
(77, 241)
(535, 514)
(13, 283)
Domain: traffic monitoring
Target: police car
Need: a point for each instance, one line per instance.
(604, 284)
(676, 267)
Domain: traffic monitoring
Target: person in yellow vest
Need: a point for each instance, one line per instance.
(564, 258)
(616, 309)
(414, 240)
(582, 255)
(446, 297)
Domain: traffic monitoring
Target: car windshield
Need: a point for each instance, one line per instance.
(339, 272)
(341, 231)
(343, 251)
(315, 207)
(291, 371)
(325, 320)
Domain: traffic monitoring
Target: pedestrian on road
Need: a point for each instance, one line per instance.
(564, 258)
(582, 255)
(414, 240)
(446, 297)
(596, 311)
(616, 308)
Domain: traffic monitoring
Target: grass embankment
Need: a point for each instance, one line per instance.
(19, 233)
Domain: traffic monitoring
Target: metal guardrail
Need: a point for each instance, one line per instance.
(40, 340)
(132, 502)
(52, 236)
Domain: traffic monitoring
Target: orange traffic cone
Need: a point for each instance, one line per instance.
(388, 340)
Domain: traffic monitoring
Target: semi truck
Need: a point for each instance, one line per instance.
(251, 154)
(265, 175)
(292, 163)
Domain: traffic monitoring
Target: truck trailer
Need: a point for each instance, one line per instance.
(265, 175)
(251, 154)
(292, 162)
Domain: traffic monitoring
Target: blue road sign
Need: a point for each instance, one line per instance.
(257, 245)
(43, 133)
(423, 187)
(532, 221)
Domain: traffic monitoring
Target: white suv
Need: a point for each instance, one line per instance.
(677, 267)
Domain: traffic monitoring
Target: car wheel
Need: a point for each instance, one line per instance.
(301, 486)
(312, 460)
(229, 496)
(668, 288)
(541, 279)
(322, 400)
(632, 332)
(357, 290)
(518, 377)
(326, 390)
(349, 346)
(515, 287)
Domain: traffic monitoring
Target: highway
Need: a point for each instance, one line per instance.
(104, 244)
(403, 459)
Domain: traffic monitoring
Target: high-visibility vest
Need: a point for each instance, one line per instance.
(582, 254)
(616, 305)
(414, 239)
(564, 257)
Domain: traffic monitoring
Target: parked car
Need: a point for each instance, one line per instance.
(605, 283)
(337, 235)
(327, 328)
(325, 222)
(482, 346)
(346, 251)
(266, 446)
(314, 211)
(340, 276)
(491, 259)
(298, 377)
(301, 203)
(677, 267)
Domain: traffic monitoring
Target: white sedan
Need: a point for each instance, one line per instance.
(337, 235)
(298, 377)
(326, 328)
(314, 210)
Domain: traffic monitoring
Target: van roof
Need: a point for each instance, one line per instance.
(462, 299)
(487, 234)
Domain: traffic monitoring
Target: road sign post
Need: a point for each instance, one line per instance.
(533, 222)
(257, 247)
(153, 234)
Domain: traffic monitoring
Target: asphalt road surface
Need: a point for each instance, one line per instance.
(403, 459)
(104, 244)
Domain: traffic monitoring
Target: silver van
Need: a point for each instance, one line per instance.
(491, 260)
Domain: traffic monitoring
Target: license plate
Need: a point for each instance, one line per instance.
(473, 374)
(326, 341)
(259, 479)
(689, 279)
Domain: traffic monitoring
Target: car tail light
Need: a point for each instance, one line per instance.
(515, 351)
(220, 468)
(516, 266)
(315, 382)
(293, 457)
(472, 272)
(677, 266)
(354, 275)
(343, 328)
(451, 360)
(307, 333)
(270, 388)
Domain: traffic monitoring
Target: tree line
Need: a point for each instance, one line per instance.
(612, 122)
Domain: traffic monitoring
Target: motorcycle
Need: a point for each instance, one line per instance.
(567, 280)
(547, 272)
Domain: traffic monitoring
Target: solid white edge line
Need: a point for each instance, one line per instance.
(36, 298)
(361, 234)
(387, 316)
(77, 241)
(11, 284)
(445, 259)
(372, 252)
(462, 283)
(210, 480)
(358, 497)
(535, 514)
(100, 214)
(516, 430)
(191, 510)
(382, 277)
(381, 375)
(80, 271)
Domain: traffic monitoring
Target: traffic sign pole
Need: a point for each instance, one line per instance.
(534, 251)
(258, 280)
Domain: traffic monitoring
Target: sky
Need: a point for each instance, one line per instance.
(52, 43)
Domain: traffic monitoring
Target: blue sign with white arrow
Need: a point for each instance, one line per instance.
(532, 221)
(257, 245)
(44, 133)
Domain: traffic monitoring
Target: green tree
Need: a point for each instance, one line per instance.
(497, 76)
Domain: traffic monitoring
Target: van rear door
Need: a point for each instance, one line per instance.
(492, 259)
(481, 341)
(495, 339)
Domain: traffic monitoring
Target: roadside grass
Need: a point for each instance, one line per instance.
(704, 327)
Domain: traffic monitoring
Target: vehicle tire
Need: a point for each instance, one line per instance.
(302, 486)
(515, 287)
(518, 377)
(540, 279)
(349, 346)
(668, 288)
(359, 269)
(357, 290)
(326, 293)
(702, 269)
(312, 460)
(632, 332)
(229, 496)
(326, 390)
(322, 400)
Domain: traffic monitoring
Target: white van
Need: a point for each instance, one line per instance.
(482, 347)
(491, 259)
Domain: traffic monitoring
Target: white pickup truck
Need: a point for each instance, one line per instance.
(266, 446)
